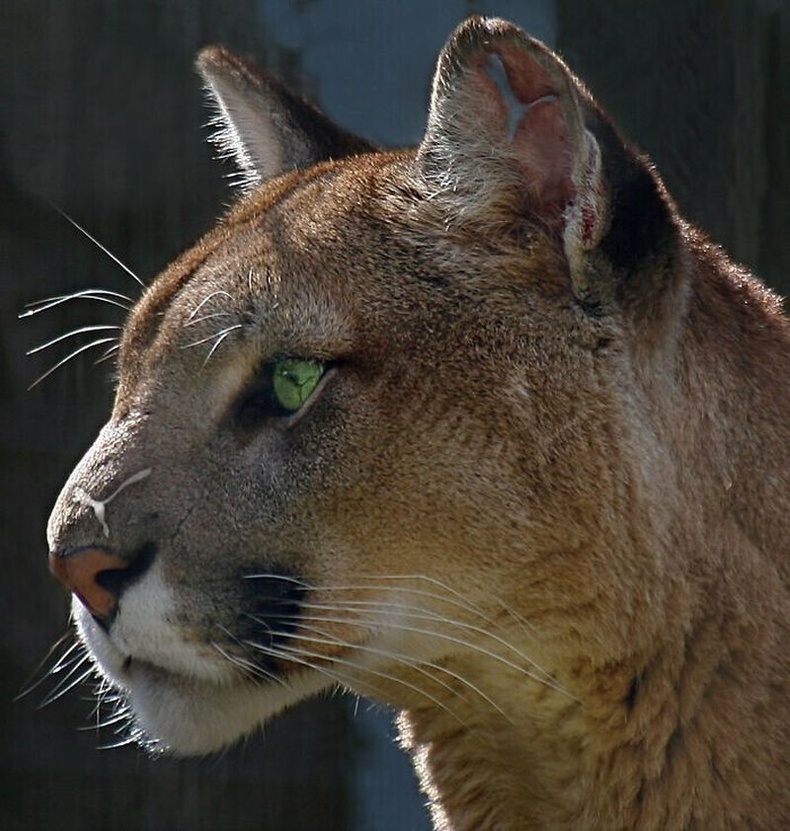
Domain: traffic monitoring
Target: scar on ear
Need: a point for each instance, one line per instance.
(99, 505)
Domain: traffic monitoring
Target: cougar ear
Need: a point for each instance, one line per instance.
(506, 134)
(264, 127)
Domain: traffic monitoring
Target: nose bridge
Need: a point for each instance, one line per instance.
(96, 533)
(84, 511)
(99, 506)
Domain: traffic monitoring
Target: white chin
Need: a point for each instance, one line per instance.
(187, 715)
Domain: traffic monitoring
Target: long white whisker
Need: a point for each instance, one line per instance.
(68, 357)
(419, 593)
(73, 655)
(250, 669)
(222, 333)
(67, 659)
(98, 244)
(422, 667)
(385, 676)
(73, 333)
(220, 337)
(462, 601)
(302, 655)
(429, 615)
(119, 717)
(114, 298)
(456, 600)
(541, 677)
(108, 353)
(71, 680)
(129, 739)
(265, 575)
(540, 674)
(204, 318)
(248, 666)
(218, 292)
(286, 654)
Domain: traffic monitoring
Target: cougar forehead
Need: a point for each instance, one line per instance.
(236, 276)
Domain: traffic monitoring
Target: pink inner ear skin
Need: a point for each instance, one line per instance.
(527, 101)
(527, 78)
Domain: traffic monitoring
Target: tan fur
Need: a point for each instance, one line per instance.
(539, 504)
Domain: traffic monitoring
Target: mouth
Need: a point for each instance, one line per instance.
(192, 705)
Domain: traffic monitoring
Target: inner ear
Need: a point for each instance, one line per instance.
(529, 112)
(506, 137)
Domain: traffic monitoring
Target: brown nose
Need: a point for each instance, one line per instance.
(91, 574)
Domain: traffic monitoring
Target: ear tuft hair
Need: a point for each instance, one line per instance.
(264, 127)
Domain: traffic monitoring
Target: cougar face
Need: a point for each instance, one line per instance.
(269, 545)
(449, 427)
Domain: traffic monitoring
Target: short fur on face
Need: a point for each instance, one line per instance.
(537, 500)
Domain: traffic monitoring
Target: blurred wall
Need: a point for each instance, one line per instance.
(703, 86)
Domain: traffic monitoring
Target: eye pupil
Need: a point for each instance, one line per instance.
(294, 380)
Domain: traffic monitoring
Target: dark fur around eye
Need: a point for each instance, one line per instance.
(257, 403)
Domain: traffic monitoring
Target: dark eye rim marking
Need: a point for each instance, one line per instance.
(257, 405)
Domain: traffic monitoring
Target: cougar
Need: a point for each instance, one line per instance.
(482, 430)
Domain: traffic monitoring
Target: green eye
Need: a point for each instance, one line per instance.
(294, 380)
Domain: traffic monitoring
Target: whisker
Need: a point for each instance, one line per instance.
(540, 674)
(286, 654)
(420, 593)
(302, 656)
(220, 337)
(73, 333)
(114, 298)
(108, 353)
(98, 244)
(61, 662)
(218, 292)
(456, 600)
(541, 677)
(204, 318)
(73, 655)
(420, 666)
(463, 603)
(460, 599)
(124, 742)
(249, 667)
(221, 333)
(265, 575)
(520, 619)
(119, 717)
(68, 357)
(68, 683)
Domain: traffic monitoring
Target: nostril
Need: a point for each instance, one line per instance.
(115, 580)
(98, 577)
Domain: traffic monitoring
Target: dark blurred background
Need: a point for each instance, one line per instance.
(101, 115)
